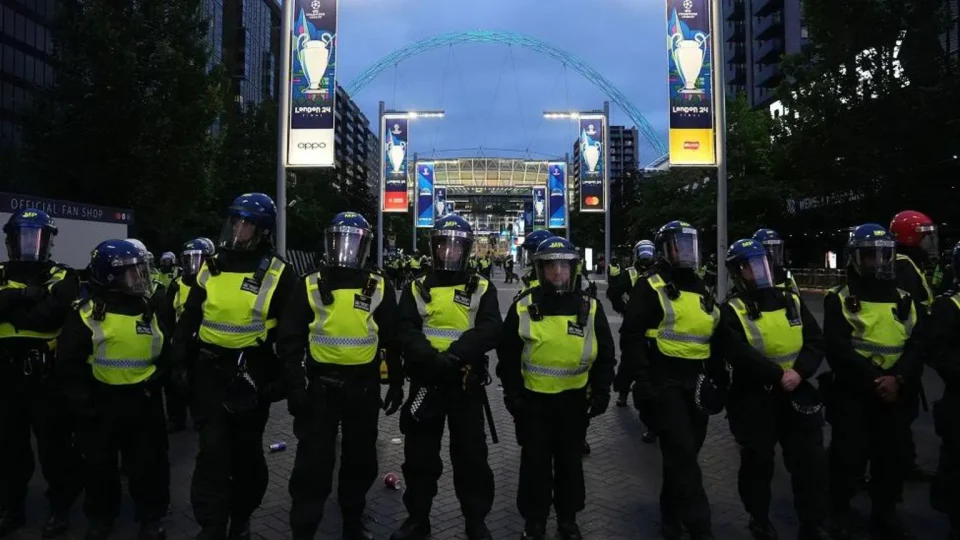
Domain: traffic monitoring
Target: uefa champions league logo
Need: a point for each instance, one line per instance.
(591, 131)
(687, 5)
(315, 5)
(396, 130)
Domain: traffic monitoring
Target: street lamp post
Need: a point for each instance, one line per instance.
(605, 115)
(384, 116)
(720, 120)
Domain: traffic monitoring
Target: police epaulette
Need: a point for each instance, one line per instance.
(473, 284)
(212, 266)
(947, 294)
(584, 313)
(371, 285)
(423, 289)
(904, 307)
(99, 310)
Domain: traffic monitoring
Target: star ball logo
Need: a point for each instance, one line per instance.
(425, 171)
(315, 6)
(396, 130)
(687, 5)
(591, 130)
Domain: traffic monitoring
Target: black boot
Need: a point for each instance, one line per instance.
(10, 521)
(568, 529)
(99, 530)
(671, 528)
(887, 526)
(412, 529)
(762, 529)
(586, 448)
(176, 426)
(213, 532)
(813, 532)
(56, 525)
(239, 529)
(152, 530)
(354, 529)
(840, 526)
(702, 536)
(534, 530)
(648, 437)
(477, 530)
(622, 399)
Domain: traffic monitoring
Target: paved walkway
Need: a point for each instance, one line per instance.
(622, 475)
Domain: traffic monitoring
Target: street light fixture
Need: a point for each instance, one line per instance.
(384, 116)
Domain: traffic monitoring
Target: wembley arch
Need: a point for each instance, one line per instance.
(511, 38)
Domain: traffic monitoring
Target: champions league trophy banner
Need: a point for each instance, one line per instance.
(557, 186)
(313, 83)
(591, 164)
(424, 199)
(691, 77)
(440, 202)
(395, 164)
(539, 208)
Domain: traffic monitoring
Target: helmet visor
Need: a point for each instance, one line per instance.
(930, 241)
(451, 250)
(645, 256)
(774, 251)
(133, 277)
(191, 260)
(347, 247)
(556, 275)
(29, 244)
(682, 250)
(754, 273)
(240, 234)
(876, 259)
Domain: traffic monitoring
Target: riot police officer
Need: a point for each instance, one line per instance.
(35, 296)
(340, 318)
(773, 243)
(449, 319)
(529, 246)
(945, 358)
(670, 346)
(225, 341)
(556, 343)
(874, 345)
(112, 355)
(168, 268)
(192, 256)
(778, 348)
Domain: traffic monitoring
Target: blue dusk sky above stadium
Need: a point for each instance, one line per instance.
(494, 95)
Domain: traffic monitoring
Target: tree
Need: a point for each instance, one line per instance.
(127, 120)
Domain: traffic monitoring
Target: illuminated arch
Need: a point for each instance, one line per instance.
(511, 38)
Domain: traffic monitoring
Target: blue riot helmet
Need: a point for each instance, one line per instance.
(773, 243)
(555, 262)
(120, 266)
(533, 240)
(29, 235)
(749, 266)
(872, 252)
(450, 242)
(347, 241)
(644, 254)
(251, 220)
(677, 244)
(167, 261)
(194, 253)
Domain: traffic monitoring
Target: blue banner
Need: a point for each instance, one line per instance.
(395, 164)
(440, 201)
(313, 68)
(557, 186)
(449, 208)
(528, 216)
(592, 173)
(539, 208)
(425, 195)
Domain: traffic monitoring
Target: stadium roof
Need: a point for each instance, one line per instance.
(485, 175)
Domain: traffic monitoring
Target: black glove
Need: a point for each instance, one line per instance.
(393, 400)
(644, 400)
(623, 380)
(32, 294)
(513, 403)
(443, 364)
(10, 298)
(599, 401)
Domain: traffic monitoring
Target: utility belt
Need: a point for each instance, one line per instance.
(340, 376)
(31, 359)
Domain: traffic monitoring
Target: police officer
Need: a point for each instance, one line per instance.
(449, 319)
(340, 318)
(779, 346)
(556, 342)
(529, 246)
(944, 332)
(874, 346)
(192, 256)
(113, 358)
(917, 246)
(154, 271)
(668, 342)
(231, 315)
(773, 243)
(168, 268)
(35, 296)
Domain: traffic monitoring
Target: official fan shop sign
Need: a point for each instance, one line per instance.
(313, 68)
(11, 203)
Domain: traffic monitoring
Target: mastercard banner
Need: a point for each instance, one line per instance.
(593, 168)
(691, 79)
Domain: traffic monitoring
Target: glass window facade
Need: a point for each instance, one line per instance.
(25, 47)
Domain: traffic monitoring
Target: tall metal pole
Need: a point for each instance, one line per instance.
(380, 233)
(566, 201)
(606, 185)
(283, 125)
(416, 200)
(720, 126)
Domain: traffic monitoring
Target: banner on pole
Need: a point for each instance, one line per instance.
(557, 186)
(425, 217)
(539, 207)
(691, 80)
(449, 207)
(440, 201)
(394, 147)
(313, 69)
(592, 165)
(528, 215)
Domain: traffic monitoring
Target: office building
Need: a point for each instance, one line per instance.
(357, 147)
(250, 49)
(25, 48)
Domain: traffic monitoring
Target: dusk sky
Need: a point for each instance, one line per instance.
(494, 95)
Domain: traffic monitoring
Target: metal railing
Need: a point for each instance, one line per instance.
(818, 278)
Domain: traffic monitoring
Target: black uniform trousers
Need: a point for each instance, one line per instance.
(759, 420)
(866, 427)
(356, 407)
(31, 401)
(422, 466)
(177, 401)
(230, 476)
(945, 489)
(128, 424)
(911, 401)
(551, 429)
(682, 428)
